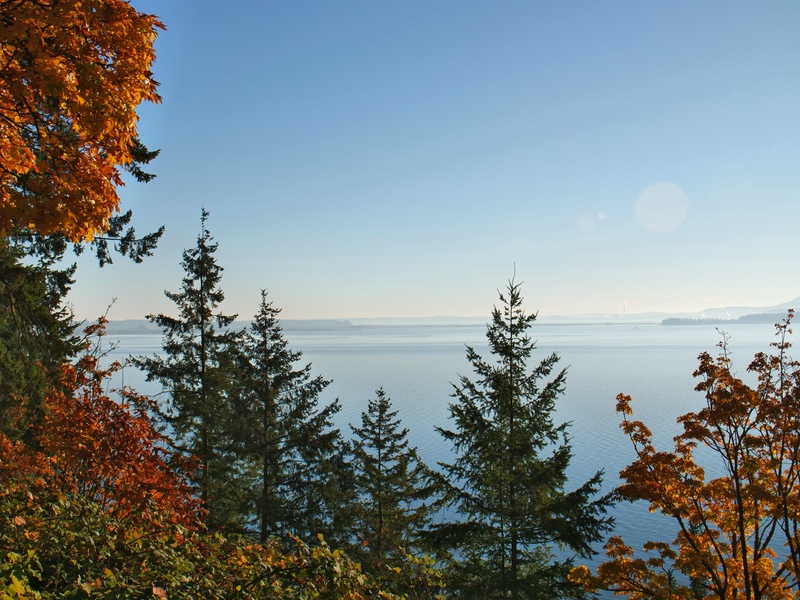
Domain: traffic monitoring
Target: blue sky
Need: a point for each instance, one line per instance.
(364, 159)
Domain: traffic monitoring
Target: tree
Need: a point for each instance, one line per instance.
(508, 479)
(287, 441)
(107, 449)
(195, 370)
(391, 486)
(72, 77)
(36, 338)
(738, 534)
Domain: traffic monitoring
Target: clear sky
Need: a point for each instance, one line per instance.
(363, 158)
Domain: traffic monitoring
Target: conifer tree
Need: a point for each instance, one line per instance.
(391, 487)
(287, 441)
(508, 479)
(195, 371)
(36, 336)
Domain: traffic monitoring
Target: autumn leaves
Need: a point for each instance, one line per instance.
(738, 533)
(71, 78)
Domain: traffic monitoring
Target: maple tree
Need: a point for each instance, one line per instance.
(92, 489)
(738, 533)
(108, 449)
(72, 77)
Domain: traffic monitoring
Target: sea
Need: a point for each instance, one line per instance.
(417, 366)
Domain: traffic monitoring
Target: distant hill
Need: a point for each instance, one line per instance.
(734, 312)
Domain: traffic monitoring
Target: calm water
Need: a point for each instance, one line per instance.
(415, 366)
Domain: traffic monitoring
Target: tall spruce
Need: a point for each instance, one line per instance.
(391, 485)
(195, 369)
(508, 479)
(292, 451)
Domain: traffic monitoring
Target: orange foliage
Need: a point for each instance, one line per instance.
(738, 533)
(71, 78)
(103, 450)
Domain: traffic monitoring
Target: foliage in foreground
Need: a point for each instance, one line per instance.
(95, 507)
(738, 533)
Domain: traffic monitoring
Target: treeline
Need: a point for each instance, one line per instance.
(271, 464)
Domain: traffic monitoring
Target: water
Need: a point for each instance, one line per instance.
(416, 365)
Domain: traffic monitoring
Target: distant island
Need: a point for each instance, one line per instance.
(759, 318)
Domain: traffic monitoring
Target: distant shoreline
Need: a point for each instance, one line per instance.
(145, 327)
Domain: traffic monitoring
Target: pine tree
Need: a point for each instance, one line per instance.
(292, 450)
(508, 479)
(195, 371)
(391, 486)
(391, 481)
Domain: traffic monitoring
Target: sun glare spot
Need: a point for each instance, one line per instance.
(662, 207)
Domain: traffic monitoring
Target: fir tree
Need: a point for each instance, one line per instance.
(391, 486)
(195, 370)
(292, 450)
(508, 479)
(36, 336)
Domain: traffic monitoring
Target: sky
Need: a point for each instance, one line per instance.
(377, 159)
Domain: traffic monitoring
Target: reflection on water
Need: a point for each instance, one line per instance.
(415, 366)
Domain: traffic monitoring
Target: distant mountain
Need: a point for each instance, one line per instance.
(734, 312)
(751, 314)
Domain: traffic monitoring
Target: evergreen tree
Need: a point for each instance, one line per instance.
(36, 337)
(195, 370)
(292, 450)
(508, 479)
(391, 485)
